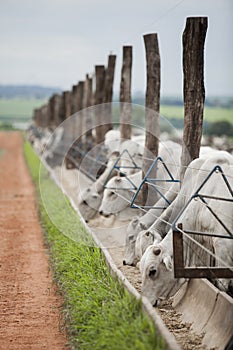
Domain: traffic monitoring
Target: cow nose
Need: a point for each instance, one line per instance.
(124, 262)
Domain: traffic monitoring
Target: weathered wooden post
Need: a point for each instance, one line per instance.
(152, 108)
(44, 116)
(78, 106)
(39, 117)
(67, 103)
(56, 107)
(75, 126)
(108, 92)
(125, 94)
(36, 117)
(193, 88)
(50, 111)
(67, 113)
(99, 97)
(62, 107)
(74, 109)
(88, 98)
(53, 108)
(74, 99)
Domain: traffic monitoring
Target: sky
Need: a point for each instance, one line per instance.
(57, 42)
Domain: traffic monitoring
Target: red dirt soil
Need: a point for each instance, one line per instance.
(29, 306)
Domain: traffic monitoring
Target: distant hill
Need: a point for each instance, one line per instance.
(27, 91)
(138, 97)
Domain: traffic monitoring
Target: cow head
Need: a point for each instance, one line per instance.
(158, 281)
(114, 197)
(88, 202)
(144, 239)
(131, 235)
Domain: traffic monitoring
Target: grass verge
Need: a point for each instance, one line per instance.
(100, 313)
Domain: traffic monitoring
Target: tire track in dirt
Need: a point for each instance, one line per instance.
(29, 304)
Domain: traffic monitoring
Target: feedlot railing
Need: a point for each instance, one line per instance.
(117, 166)
(180, 270)
(152, 182)
(78, 158)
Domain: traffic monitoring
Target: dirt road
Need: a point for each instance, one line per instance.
(29, 305)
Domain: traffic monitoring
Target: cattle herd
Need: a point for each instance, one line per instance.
(149, 235)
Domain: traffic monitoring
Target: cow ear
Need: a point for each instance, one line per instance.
(143, 226)
(167, 262)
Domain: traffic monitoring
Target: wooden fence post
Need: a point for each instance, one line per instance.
(88, 98)
(50, 111)
(74, 99)
(99, 97)
(67, 112)
(53, 108)
(39, 117)
(44, 116)
(67, 104)
(193, 89)
(62, 107)
(36, 117)
(125, 94)
(78, 129)
(76, 126)
(56, 107)
(152, 108)
(108, 92)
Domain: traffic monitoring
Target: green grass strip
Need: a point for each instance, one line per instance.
(100, 313)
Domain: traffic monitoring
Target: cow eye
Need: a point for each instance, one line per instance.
(147, 234)
(111, 193)
(152, 273)
(85, 203)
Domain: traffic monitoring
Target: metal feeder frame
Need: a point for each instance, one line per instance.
(152, 182)
(180, 270)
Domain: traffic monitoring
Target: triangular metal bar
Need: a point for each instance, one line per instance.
(119, 167)
(215, 215)
(152, 182)
(202, 197)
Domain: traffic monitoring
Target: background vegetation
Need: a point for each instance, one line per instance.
(17, 104)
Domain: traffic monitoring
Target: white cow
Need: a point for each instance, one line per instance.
(112, 141)
(117, 195)
(144, 222)
(54, 141)
(144, 239)
(156, 265)
(41, 143)
(131, 155)
(89, 199)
